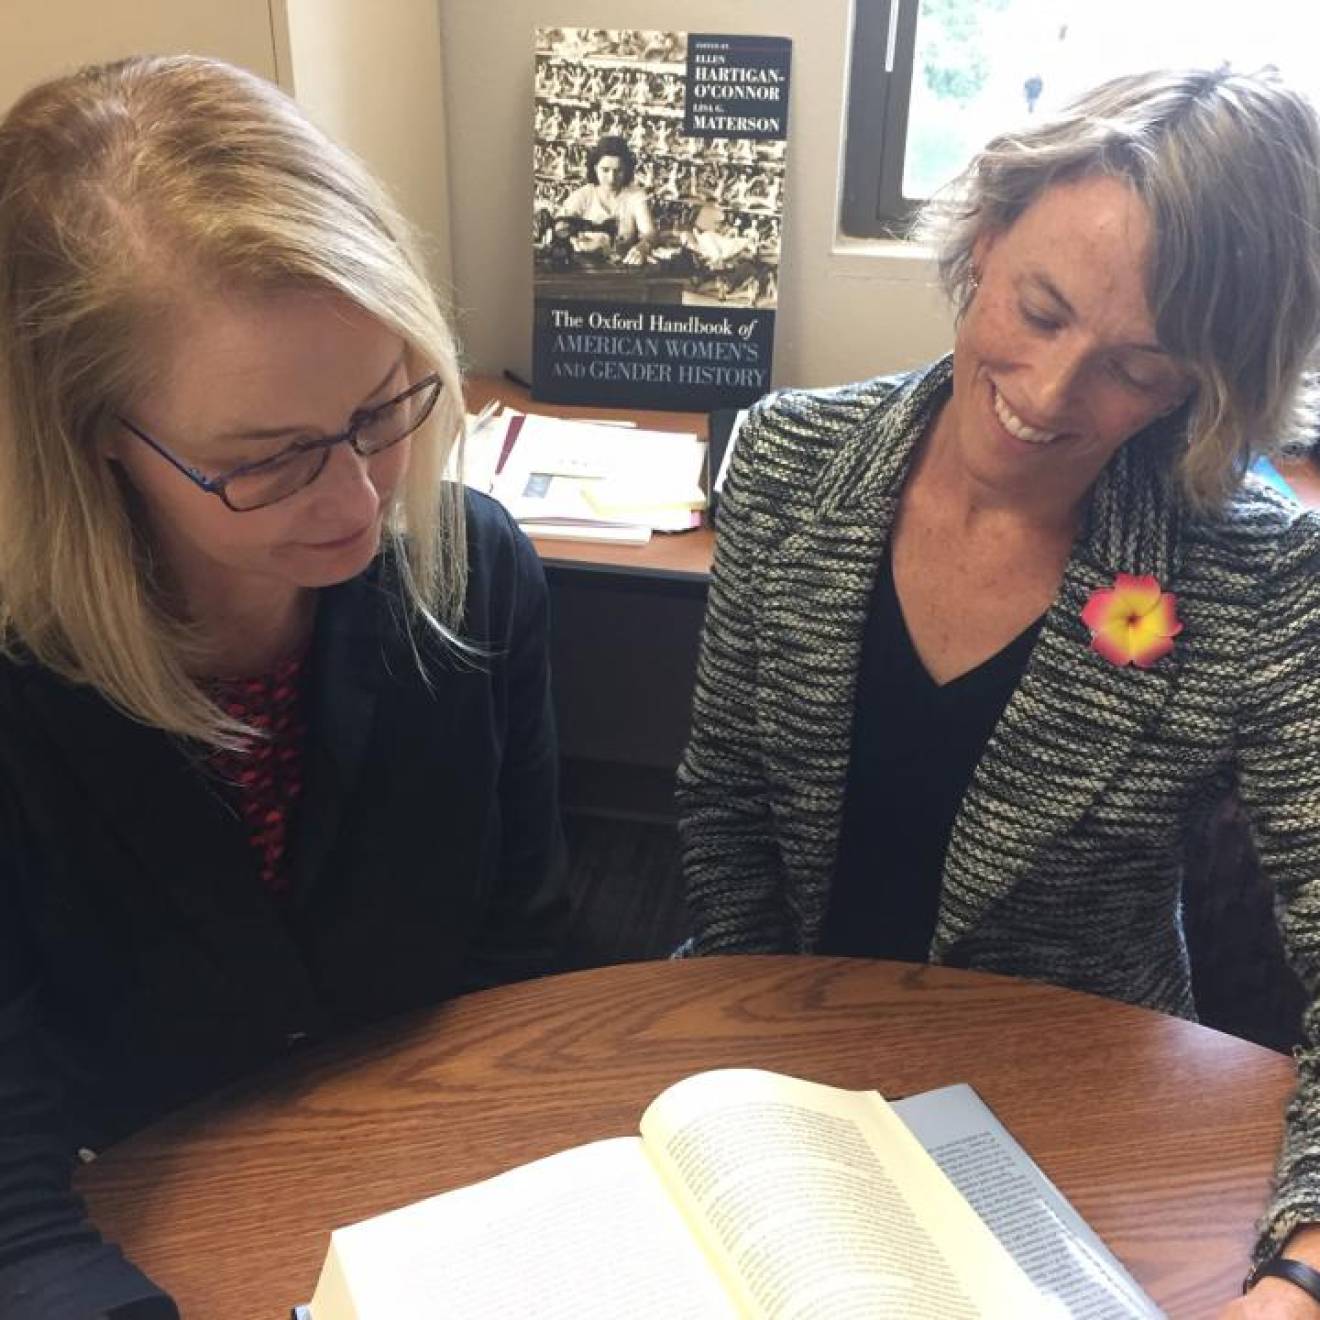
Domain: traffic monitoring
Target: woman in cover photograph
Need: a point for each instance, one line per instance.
(727, 260)
(610, 213)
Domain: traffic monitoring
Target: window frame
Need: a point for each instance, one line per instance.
(884, 38)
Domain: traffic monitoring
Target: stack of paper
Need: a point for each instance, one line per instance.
(588, 480)
(482, 447)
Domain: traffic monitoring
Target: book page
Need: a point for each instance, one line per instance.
(481, 450)
(818, 1204)
(622, 535)
(588, 1234)
(594, 473)
(1054, 1245)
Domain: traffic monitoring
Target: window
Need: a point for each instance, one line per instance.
(932, 80)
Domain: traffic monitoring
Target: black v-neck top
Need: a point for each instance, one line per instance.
(915, 747)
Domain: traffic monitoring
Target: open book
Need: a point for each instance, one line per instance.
(747, 1194)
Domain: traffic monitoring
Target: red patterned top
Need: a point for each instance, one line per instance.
(267, 779)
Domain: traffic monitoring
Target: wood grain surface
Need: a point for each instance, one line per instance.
(1160, 1132)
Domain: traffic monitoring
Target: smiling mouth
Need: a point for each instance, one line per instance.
(340, 542)
(1015, 426)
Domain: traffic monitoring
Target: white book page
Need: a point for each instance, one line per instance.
(621, 534)
(628, 465)
(588, 1233)
(1058, 1250)
(818, 1204)
(481, 450)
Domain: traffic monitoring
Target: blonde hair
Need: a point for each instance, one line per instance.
(116, 183)
(1228, 165)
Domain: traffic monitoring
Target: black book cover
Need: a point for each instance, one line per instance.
(657, 216)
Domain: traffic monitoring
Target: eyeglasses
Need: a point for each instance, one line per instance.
(370, 430)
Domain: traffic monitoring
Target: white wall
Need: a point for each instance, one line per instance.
(40, 39)
(436, 96)
(845, 310)
(369, 73)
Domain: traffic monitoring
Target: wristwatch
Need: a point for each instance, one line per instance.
(1295, 1271)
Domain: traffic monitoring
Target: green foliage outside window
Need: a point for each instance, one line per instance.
(951, 51)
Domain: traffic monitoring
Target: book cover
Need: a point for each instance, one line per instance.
(658, 162)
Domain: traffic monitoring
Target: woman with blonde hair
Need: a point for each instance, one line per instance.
(986, 641)
(276, 749)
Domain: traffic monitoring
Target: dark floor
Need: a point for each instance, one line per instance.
(628, 905)
(627, 896)
(1242, 982)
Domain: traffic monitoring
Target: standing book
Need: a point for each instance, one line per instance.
(747, 1194)
(658, 196)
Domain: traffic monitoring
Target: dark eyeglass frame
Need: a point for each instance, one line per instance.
(348, 436)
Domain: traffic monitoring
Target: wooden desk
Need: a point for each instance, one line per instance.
(626, 627)
(1161, 1133)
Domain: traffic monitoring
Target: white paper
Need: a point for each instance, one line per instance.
(639, 478)
(587, 1234)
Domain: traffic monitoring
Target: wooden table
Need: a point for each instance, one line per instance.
(1161, 1133)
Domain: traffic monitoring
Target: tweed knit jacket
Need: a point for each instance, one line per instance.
(1065, 861)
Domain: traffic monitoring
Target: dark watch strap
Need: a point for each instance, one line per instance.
(1307, 1279)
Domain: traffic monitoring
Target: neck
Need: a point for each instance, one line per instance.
(966, 499)
(243, 636)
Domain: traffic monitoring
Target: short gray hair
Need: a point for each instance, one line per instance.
(1228, 165)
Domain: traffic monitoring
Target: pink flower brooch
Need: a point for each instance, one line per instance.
(1133, 622)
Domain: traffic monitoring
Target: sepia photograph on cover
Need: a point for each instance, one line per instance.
(658, 163)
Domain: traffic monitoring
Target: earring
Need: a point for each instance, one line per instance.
(969, 295)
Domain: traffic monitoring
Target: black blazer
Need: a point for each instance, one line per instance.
(142, 963)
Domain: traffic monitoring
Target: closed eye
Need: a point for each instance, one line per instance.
(365, 416)
(1134, 380)
(299, 446)
(1125, 377)
(1039, 320)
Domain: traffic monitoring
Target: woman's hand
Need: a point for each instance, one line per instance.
(1272, 1299)
(638, 254)
(1277, 1299)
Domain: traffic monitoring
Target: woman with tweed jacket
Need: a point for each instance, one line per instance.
(987, 640)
